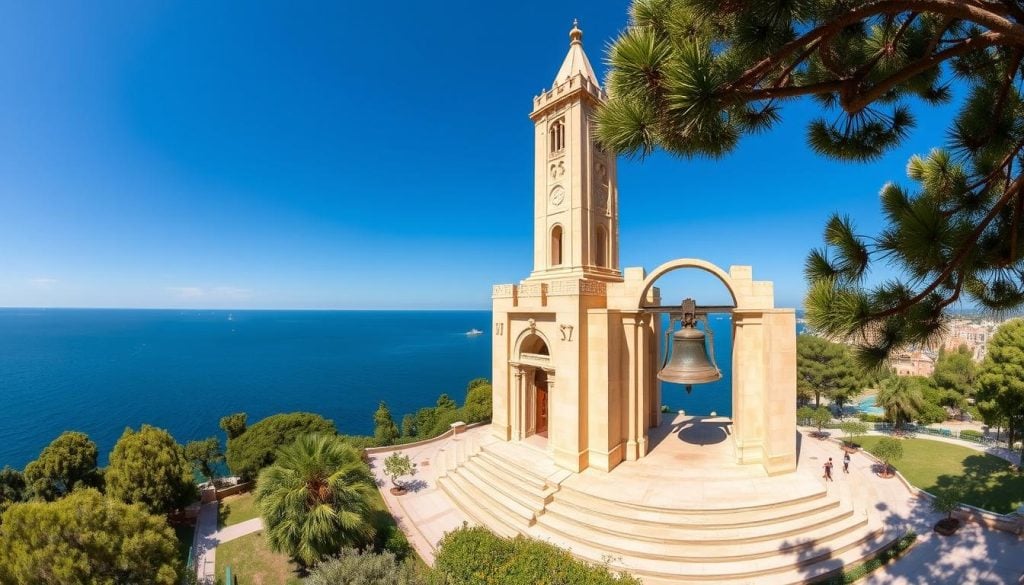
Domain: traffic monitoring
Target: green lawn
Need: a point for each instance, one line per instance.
(236, 509)
(253, 563)
(987, 480)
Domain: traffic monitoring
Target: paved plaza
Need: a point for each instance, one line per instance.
(689, 472)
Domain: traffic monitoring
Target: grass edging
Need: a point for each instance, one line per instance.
(879, 559)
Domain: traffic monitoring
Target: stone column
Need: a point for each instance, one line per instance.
(517, 405)
(643, 390)
(748, 385)
(634, 404)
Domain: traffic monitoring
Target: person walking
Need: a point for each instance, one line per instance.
(846, 463)
(828, 470)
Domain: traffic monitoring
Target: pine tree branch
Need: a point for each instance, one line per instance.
(983, 15)
(934, 42)
(862, 100)
(966, 247)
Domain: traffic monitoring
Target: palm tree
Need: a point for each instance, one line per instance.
(315, 499)
(901, 400)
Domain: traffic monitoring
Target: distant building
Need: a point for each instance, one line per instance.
(974, 335)
(914, 363)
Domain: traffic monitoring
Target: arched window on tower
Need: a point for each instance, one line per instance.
(557, 132)
(601, 247)
(556, 245)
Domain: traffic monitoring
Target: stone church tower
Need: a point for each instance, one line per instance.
(572, 374)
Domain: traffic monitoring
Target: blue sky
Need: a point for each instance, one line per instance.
(349, 155)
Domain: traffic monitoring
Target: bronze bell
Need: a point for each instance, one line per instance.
(689, 363)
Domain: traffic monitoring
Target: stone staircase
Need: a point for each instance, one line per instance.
(807, 532)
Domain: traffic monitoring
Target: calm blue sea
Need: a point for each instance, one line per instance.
(98, 371)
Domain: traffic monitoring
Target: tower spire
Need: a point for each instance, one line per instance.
(576, 62)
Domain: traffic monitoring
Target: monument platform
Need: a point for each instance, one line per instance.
(686, 513)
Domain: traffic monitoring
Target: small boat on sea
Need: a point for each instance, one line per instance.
(474, 333)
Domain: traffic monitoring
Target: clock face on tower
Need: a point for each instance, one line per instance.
(557, 196)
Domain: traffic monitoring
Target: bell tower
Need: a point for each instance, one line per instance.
(576, 226)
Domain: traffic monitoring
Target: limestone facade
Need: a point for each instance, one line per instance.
(575, 345)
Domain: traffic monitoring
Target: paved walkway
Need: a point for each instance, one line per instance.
(208, 537)
(426, 514)
(975, 554)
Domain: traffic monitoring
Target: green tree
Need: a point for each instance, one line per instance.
(889, 450)
(68, 462)
(825, 368)
(384, 428)
(956, 371)
(854, 430)
(901, 399)
(805, 415)
(204, 455)
(1002, 376)
(446, 403)
(398, 465)
(478, 405)
(13, 488)
(86, 539)
(148, 467)
(695, 76)
(316, 498)
(233, 425)
(821, 417)
(409, 425)
(255, 449)
(947, 500)
(355, 568)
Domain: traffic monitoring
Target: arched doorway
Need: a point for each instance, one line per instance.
(535, 377)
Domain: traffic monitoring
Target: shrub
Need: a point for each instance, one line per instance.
(872, 418)
(882, 558)
(475, 556)
(931, 413)
(971, 435)
(361, 441)
(355, 568)
(255, 449)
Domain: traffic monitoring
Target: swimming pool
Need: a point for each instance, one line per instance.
(869, 406)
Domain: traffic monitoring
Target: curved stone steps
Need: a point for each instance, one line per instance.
(796, 560)
(645, 517)
(812, 515)
(697, 551)
(493, 518)
(497, 473)
(537, 471)
(507, 495)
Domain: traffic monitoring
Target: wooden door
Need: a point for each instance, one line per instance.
(542, 408)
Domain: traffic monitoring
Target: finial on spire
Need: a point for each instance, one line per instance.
(576, 35)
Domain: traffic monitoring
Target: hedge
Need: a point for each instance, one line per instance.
(884, 557)
(476, 556)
